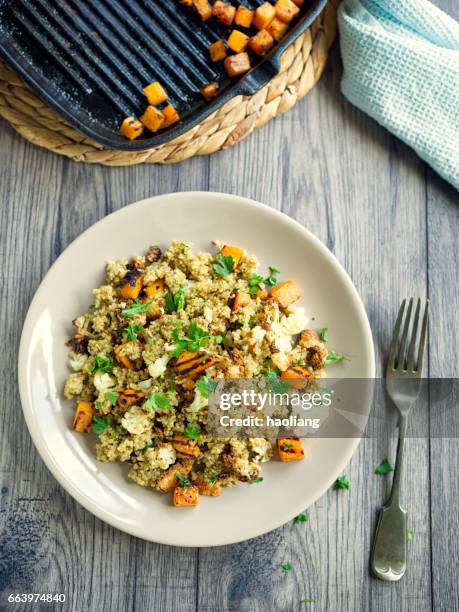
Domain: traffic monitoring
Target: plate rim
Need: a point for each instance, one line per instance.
(64, 480)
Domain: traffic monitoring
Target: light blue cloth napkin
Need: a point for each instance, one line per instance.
(401, 67)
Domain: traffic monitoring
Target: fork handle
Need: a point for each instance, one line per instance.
(388, 558)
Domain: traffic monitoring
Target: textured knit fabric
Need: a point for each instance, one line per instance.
(401, 67)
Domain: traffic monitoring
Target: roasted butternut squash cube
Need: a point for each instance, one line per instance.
(186, 497)
(261, 43)
(298, 376)
(203, 9)
(122, 357)
(237, 41)
(82, 420)
(299, 2)
(290, 449)
(131, 285)
(131, 128)
(168, 480)
(152, 118)
(264, 15)
(209, 91)
(277, 28)
(286, 293)
(186, 2)
(155, 288)
(224, 12)
(128, 397)
(286, 10)
(243, 17)
(185, 446)
(155, 93)
(209, 490)
(235, 252)
(171, 116)
(192, 365)
(240, 300)
(217, 50)
(236, 65)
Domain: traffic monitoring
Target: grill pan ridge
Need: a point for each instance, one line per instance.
(90, 59)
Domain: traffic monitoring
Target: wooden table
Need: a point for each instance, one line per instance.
(393, 224)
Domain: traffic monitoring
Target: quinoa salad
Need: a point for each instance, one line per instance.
(161, 328)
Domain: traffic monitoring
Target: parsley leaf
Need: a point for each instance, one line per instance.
(158, 401)
(203, 386)
(99, 424)
(384, 467)
(224, 265)
(174, 301)
(102, 364)
(193, 431)
(334, 357)
(213, 476)
(301, 518)
(136, 309)
(111, 396)
(409, 534)
(272, 280)
(184, 480)
(276, 385)
(257, 480)
(286, 567)
(323, 334)
(342, 483)
(132, 330)
(193, 341)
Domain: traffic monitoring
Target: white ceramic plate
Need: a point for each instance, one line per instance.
(244, 511)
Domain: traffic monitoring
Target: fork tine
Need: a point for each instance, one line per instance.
(406, 327)
(422, 341)
(395, 334)
(414, 334)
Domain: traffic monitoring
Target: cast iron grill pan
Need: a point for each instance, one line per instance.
(91, 59)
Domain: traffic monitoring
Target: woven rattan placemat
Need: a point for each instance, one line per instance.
(302, 65)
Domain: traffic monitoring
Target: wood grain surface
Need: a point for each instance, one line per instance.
(393, 224)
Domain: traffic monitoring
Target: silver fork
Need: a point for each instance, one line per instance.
(403, 381)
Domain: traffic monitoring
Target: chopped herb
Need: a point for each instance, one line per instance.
(224, 265)
(149, 445)
(334, 357)
(342, 483)
(300, 362)
(193, 431)
(308, 600)
(99, 424)
(111, 396)
(132, 330)
(323, 334)
(384, 467)
(193, 341)
(287, 445)
(158, 401)
(184, 248)
(219, 339)
(184, 480)
(257, 480)
(272, 280)
(102, 364)
(301, 518)
(276, 385)
(136, 309)
(91, 306)
(286, 567)
(174, 301)
(203, 386)
(213, 476)
(409, 534)
(252, 322)
(99, 405)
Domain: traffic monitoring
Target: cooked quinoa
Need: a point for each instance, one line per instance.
(160, 327)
